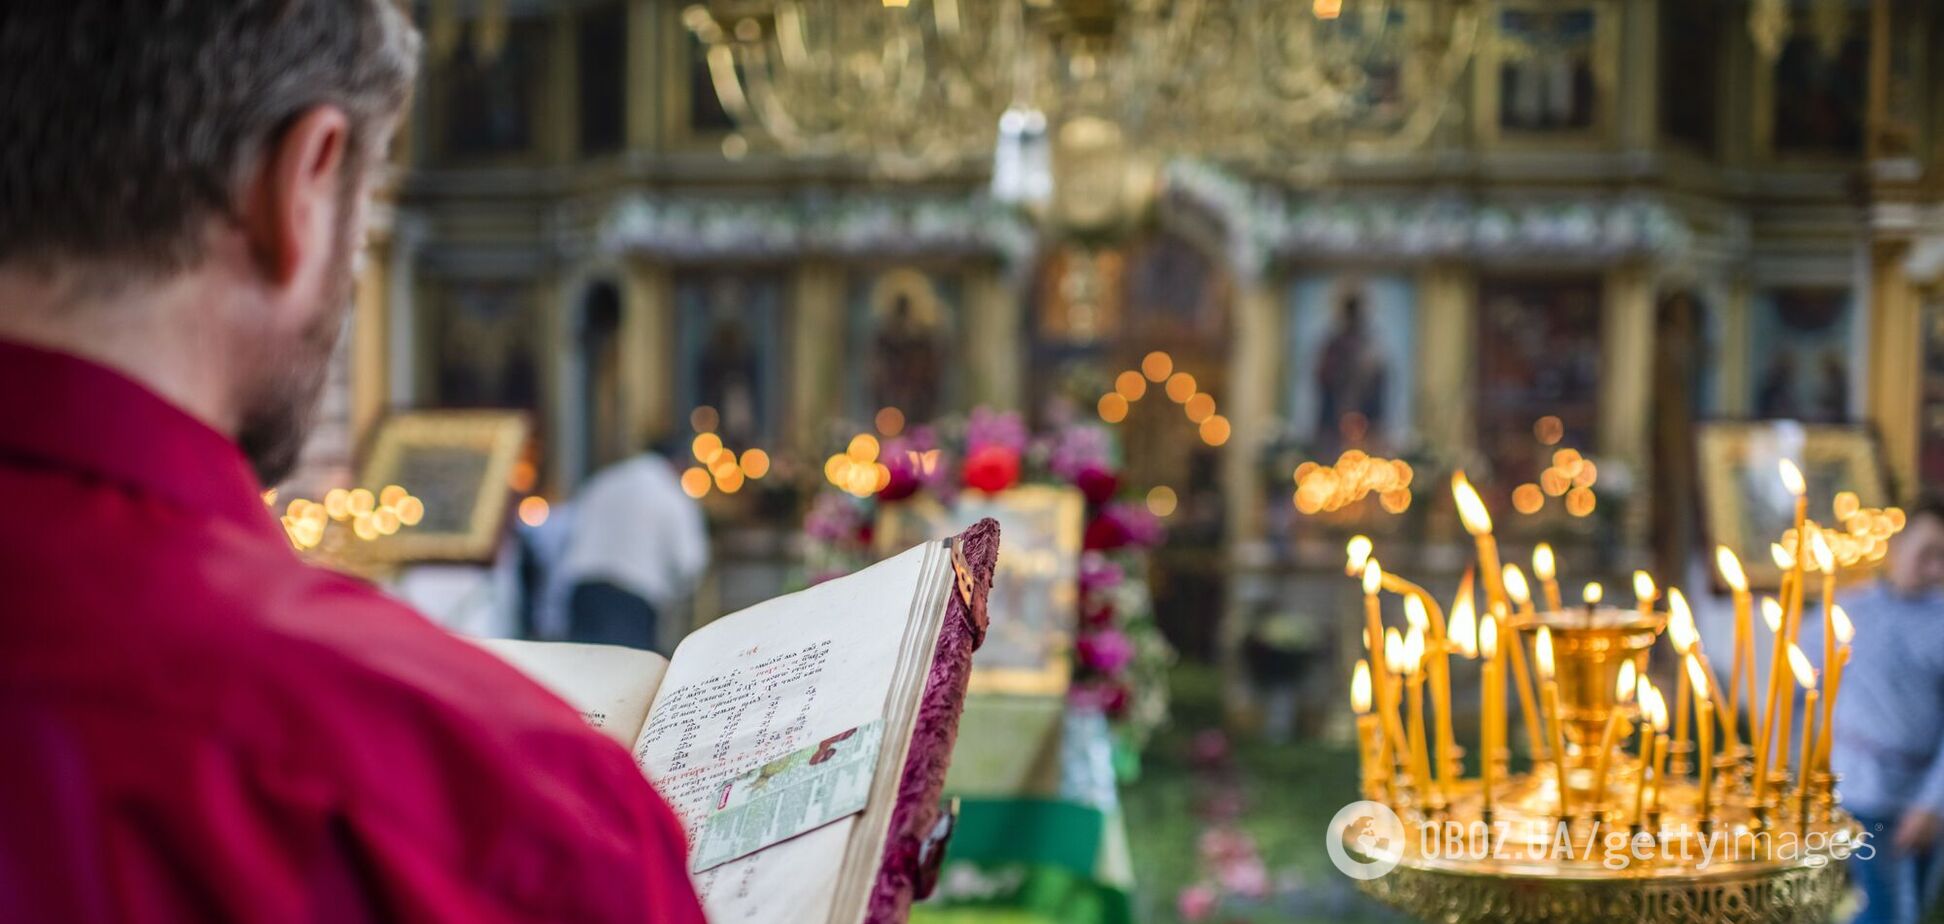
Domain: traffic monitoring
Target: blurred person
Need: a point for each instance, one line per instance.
(200, 727)
(639, 545)
(1888, 746)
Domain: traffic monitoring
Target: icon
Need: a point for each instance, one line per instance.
(1365, 840)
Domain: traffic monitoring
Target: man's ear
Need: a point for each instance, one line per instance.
(290, 209)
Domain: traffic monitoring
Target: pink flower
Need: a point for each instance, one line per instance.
(1078, 447)
(1196, 903)
(1108, 651)
(989, 428)
(1099, 574)
(1103, 696)
(1209, 747)
(1244, 876)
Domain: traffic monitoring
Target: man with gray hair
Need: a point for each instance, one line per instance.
(198, 726)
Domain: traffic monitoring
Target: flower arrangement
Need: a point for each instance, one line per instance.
(1120, 659)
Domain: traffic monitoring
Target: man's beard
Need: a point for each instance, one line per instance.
(279, 411)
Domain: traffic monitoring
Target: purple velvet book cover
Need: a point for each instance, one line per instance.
(916, 815)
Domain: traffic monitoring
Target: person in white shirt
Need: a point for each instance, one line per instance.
(639, 544)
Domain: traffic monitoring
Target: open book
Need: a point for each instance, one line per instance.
(859, 679)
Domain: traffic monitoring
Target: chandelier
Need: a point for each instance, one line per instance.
(927, 86)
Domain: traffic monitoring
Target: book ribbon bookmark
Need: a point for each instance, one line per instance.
(793, 794)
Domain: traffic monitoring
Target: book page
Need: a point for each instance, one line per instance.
(610, 685)
(762, 683)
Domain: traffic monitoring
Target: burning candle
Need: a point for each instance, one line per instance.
(1491, 695)
(1826, 563)
(1591, 595)
(1705, 725)
(1777, 616)
(1543, 568)
(1644, 593)
(1805, 677)
(1463, 627)
(1435, 665)
(1367, 731)
(1411, 666)
(1797, 666)
(1686, 638)
(1623, 693)
(1542, 650)
(1356, 552)
(1731, 574)
(1653, 711)
(1373, 581)
(1660, 749)
(1478, 522)
(1514, 583)
(1682, 635)
(1833, 679)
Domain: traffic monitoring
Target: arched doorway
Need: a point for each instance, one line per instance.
(1100, 310)
(597, 342)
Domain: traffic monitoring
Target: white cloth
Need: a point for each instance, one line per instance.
(635, 528)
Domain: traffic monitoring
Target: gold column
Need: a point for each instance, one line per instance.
(1895, 330)
(646, 79)
(648, 350)
(995, 350)
(1448, 357)
(1250, 405)
(1627, 367)
(560, 118)
(370, 339)
(1639, 90)
(817, 359)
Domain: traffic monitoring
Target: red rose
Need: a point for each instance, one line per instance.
(991, 469)
(1098, 484)
(902, 484)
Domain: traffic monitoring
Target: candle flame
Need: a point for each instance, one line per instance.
(1731, 569)
(1784, 559)
(1644, 695)
(1463, 626)
(1643, 586)
(1373, 576)
(1698, 677)
(1791, 477)
(1824, 555)
(1799, 664)
(1471, 508)
(1488, 638)
(1542, 562)
(1360, 687)
(1623, 690)
(1415, 614)
(1515, 584)
(1680, 622)
(1542, 652)
(1358, 551)
(1840, 622)
(1393, 651)
(1659, 705)
(1772, 614)
(1414, 649)
(1592, 593)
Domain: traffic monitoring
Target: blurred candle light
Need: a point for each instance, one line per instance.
(1542, 649)
(1623, 692)
(1704, 723)
(1543, 568)
(1731, 572)
(1644, 593)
